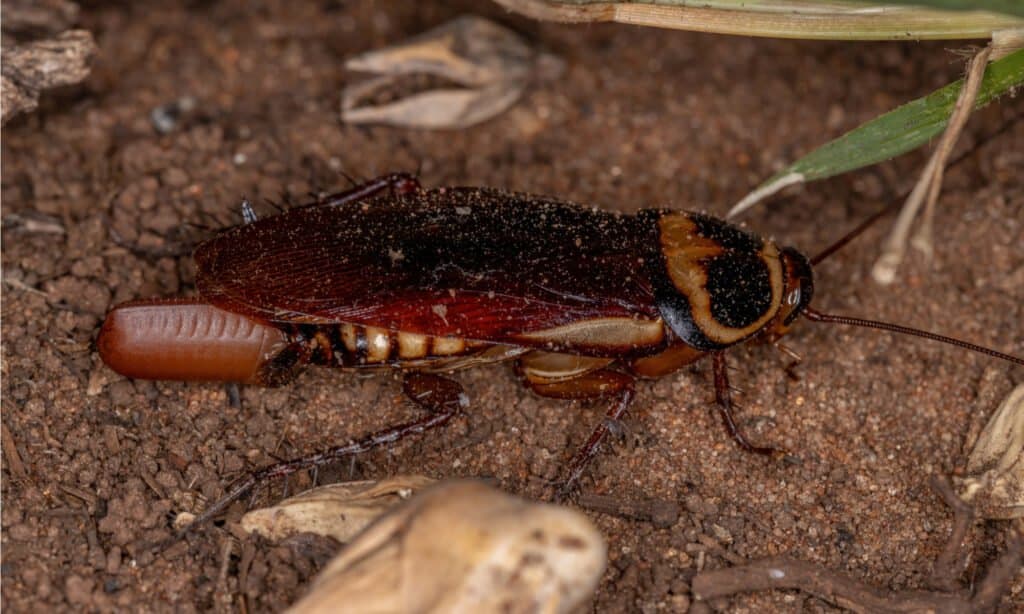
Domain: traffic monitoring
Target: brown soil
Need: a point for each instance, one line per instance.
(642, 117)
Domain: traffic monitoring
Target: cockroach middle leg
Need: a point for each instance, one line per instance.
(589, 449)
(440, 396)
(602, 383)
(723, 396)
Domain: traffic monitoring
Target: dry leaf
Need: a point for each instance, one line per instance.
(338, 510)
(456, 75)
(464, 547)
(30, 68)
(995, 467)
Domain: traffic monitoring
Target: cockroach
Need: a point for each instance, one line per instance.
(390, 275)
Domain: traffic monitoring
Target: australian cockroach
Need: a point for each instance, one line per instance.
(389, 275)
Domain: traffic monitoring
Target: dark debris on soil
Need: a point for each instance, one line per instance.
(101, 206)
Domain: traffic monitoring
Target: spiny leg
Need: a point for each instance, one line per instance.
(590, 449)
(602, 383)
(441, 397)
(397, 183)
(723, 396)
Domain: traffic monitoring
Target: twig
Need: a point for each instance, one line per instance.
(662, 513)
(17, 284)
(11, 453)
(223, 596)
(922, 239)
(949, 564)
(834, 587)
(244, 565)
(926, 192)
(843, 591)
(85, 496)
(1000, 574)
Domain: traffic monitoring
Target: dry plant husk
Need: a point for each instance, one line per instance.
(337, 510)
(462, 546)
(994, 481)
(484, 68)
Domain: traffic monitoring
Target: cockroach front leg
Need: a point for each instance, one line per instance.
(795, 360)
(723, 396)
(440, 396)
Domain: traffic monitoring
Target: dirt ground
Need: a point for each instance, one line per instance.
(640, 118)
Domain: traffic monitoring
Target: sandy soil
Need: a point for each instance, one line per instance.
(641, 118)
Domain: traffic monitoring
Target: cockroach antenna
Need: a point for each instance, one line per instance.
(817, 316)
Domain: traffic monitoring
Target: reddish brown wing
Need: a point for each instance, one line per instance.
(476, 263)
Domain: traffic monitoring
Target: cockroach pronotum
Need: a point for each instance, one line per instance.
(389, 275)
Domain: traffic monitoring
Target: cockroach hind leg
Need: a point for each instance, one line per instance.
(441, 397)
(280, 207)
(609, 383)
(395, 183)
(723, 399)
(352, 181)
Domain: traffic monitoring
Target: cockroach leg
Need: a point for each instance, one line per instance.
(796, 359)
(723, 397)
(351, 179)
(618, 430)
(596, 384)
(589, 450)
(440, 396)
(286, 202)
(248, 213)
(234, 395)
(396, 183)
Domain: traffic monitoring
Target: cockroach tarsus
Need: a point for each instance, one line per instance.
(389, 275)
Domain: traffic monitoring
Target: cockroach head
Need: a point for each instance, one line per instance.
(717, 285)
(798, 283)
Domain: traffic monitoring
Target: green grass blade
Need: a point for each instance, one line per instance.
(887, 136)
(805, 19)
(1010, 7)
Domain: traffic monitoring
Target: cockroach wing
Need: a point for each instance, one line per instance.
(475, 263)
